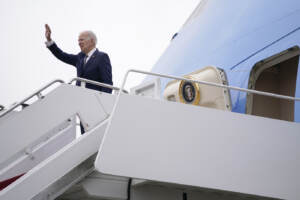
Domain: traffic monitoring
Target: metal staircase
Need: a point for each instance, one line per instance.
(171, 150)
(40, 143)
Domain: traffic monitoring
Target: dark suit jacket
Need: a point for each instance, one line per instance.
(98, 67)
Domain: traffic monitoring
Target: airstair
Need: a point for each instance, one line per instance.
(148, 149)
(40, 141)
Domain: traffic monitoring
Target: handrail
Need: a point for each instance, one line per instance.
(37, 93)
(211, 84)
(185, 79)
(96, 83)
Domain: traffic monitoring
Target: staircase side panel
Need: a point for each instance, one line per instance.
(203, 147)
(21, 130)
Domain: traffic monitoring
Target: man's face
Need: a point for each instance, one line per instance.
(86, 44)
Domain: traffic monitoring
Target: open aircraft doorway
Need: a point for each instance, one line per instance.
(276, 74)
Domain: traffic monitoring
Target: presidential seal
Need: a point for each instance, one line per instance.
(189, 93)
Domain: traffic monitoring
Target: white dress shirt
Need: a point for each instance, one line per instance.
(90, 54)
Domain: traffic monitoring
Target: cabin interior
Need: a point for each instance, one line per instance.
(277, 74)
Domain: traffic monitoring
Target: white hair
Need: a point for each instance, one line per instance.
(91, 35)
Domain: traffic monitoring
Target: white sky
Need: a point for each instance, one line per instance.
(133, 32)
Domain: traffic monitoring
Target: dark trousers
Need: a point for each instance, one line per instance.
(81, 129)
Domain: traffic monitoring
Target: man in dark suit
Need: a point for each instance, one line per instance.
(90, 63)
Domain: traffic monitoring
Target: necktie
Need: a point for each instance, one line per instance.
(84, 60)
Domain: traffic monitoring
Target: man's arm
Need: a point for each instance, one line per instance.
(57, 52)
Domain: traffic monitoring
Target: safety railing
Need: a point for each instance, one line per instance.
(211, 84)
(95, 83)
(200, 82)
(196, 81)
(37, 93)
